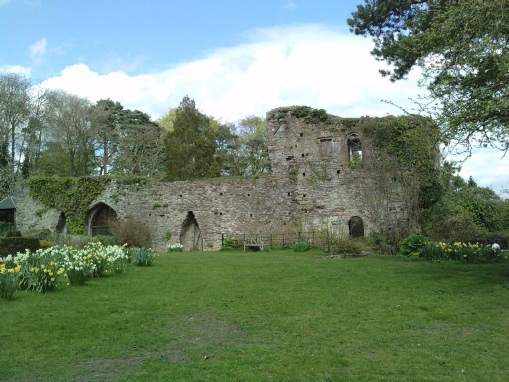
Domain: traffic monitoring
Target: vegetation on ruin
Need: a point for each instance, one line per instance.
(413, 141)
(278, 315)
(72, 196)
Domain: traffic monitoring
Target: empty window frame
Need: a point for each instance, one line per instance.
(354, 150)
(326, 147)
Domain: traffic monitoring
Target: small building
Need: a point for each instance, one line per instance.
(7, 214)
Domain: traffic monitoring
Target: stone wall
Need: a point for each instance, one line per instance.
(312, 185)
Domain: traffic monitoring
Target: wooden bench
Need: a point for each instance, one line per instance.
(256, 242)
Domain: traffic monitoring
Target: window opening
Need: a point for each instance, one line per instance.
(354, 151)
(326, 147)
(356, 227)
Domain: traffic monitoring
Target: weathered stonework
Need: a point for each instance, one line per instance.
(313, 182)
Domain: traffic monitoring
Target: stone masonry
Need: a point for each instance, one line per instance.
(321, 178)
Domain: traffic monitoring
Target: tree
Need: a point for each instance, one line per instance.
(463, 49)
(253, 131)
(106, 123)
(71, 138)
(15, 102)
(141, 145)
(190, 147)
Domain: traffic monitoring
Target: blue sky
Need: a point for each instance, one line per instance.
(233, 57)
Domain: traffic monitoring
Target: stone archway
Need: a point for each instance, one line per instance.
(61, 226)
(190, 236)
(99, 218)
(356, 227)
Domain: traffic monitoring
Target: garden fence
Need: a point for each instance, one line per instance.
(322, 239)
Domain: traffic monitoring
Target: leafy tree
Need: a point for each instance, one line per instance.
(15, 103)
(190, 147)
(106, 123)
(230, 151)
(140, 145)
(463, 48)
(167, 120)
(69, 119)
(253, 131)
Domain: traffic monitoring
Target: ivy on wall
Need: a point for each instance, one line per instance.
(72, 196)
(413, 141)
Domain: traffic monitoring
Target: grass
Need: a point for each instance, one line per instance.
(265, 316)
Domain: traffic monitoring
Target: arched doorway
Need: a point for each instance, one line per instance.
(61, 224)
(356, 227)
(99, 218)
(190, 236)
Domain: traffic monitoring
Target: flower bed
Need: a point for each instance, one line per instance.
(42, 270)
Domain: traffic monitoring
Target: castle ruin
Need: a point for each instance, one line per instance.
(324, 176)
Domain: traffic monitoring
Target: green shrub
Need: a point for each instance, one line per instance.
(104, 239)
(44, 244)
(230, 245)
(75, 241)
(13, 233)
(302, 246)
(412, 245)
(346, 247)
(8, 282)
(141, 257)
(13, 245)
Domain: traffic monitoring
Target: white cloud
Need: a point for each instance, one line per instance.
(38, 49)
(15, 69)
(301, 65)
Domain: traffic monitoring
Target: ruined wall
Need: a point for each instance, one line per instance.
(313, 183)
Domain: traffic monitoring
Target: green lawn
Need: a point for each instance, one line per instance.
(266, 316)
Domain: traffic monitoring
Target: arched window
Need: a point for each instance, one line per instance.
(354, 151)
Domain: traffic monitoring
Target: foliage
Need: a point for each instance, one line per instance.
(466, 213)
(141, 257)
(12, 245)
(464, 252)
(462, 48)
(242, 149)
(131, 232)
(78, 241)
(175, 248)
(301, 246)
(413, 245)
(70, 146)
(346, 247)
(12, 233)
(141, 149)
(230, 244)
(15, 105)
(104, 239)
(190, 147)
(8, 281)
(413, 141)
(38, 271)
(72, 196)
